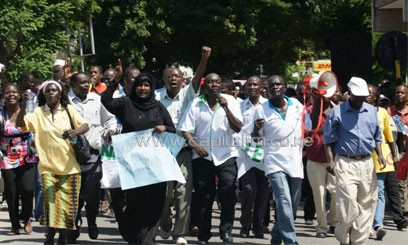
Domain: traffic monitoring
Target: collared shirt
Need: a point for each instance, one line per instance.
(316, 151)
(403, 114)
(244, 162)
(248, 109)
(95, 114)
(211, 129)
(384, 120)
(178, 105)
(353, 132)
(55, 153)
(282, 138)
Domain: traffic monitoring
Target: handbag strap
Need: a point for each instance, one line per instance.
(70, 119)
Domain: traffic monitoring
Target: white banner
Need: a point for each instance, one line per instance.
(144, 158)
(110, 168)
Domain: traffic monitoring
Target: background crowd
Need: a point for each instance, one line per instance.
(344, 173)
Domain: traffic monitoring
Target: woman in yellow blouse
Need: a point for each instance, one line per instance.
(59, 169)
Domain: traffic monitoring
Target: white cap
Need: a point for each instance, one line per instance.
(59, 62)
(358, 86)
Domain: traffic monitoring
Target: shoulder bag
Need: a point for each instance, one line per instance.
(81, 147)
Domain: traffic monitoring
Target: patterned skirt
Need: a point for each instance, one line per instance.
(61, 194)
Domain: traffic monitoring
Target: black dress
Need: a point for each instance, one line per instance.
(144, 204)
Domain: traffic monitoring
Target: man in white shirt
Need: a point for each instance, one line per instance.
(176, 99)
(208, 125)
(98, 117)
(255, 188)
(279, 124)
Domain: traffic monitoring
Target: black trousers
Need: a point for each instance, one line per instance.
(144, 206)
(19, 181)
(391, 189)
(254, 196)
(118, 202)
(90, 193)
(204, 173)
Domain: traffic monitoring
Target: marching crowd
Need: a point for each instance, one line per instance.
(339, 153)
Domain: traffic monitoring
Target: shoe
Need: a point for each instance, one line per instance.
(181, 241)
(227, 238)
(275, 242)
(259, 235)
(164, 234)
(380, 233)
(202, 242)
(194, 231)
(372, 236)
(93, 232)
(331, 229)
(72, 236)
(309, 222)
(28, 228)
(13, 232)
(321, 235)
(63, 237)
(244, 233)
(49, 236)
(402, 224)
(71, 240)
(265, 230)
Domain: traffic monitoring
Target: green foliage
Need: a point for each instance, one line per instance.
(33, 32)
(151, 34)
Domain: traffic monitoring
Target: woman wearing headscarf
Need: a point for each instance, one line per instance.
(16, 169)
(60, 171)
(140, 111)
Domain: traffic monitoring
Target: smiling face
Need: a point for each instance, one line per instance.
(11, 95)
(52, 95)
(276, 87)
(143, 90)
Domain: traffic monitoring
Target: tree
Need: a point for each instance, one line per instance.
(151, 34)
(34, 32)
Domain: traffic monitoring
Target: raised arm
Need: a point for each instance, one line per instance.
(20, 117)
(205, 54)
(114, 106)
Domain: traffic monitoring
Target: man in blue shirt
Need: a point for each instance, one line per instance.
(352, 132)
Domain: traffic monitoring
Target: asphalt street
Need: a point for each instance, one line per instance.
(109, 234)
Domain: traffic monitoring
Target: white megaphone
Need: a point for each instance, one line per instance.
(325, 83)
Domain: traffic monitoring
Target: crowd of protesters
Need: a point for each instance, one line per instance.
(340, 154)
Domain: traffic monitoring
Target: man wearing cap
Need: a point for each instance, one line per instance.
(352, 132)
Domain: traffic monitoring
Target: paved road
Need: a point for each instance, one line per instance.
(109, 233)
